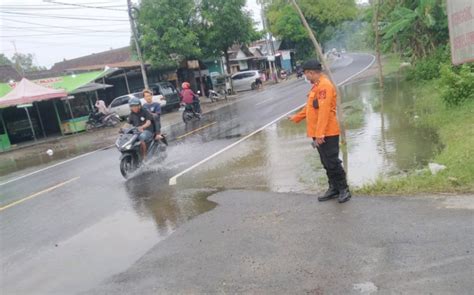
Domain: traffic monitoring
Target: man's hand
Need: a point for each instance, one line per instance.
(140, 128)
(320, 140)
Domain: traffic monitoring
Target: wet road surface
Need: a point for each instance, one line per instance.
(279, 243)
(78, 223)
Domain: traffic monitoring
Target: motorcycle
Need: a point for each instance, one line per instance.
(216, 96)
(189, 113)
(299, 74)
(99, 120)
(129, 145)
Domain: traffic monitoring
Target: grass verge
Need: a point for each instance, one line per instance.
(455, 127)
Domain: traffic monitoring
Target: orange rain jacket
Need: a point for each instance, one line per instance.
(320, 121)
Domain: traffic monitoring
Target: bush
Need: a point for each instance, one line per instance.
(429, 67)
(457, 84)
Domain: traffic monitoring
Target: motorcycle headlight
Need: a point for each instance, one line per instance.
(128, 146)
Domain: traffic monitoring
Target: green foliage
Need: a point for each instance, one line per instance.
(25, 63)
(458, 86)
(166, 29)
(414, 28)
(429, 67)
(4, 60)
(323, 16)
(225, 23)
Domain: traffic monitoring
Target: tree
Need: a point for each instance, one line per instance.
(225, 23)
(414, 28)
(5, 61)
(167, 33)
(323, 16)
(25, 63)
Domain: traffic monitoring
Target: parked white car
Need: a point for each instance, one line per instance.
(120, 104)
(245, 80)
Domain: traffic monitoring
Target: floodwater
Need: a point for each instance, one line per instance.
(383, 140)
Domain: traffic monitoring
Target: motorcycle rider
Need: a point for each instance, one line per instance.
(188, 97)
(155, 109)
(142, 119)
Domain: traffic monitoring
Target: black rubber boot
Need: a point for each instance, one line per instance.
(344, 195)
(331, 193)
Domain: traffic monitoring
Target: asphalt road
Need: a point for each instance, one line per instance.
(71, 226)
(274, 243)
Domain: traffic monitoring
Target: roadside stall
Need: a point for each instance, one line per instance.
(52, 117)
(23, 96)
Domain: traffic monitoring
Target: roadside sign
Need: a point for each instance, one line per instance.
(271, 58)
(461, 30)
(27, 105)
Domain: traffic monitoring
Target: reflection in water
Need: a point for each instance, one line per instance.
(386, 142)
(151, 197)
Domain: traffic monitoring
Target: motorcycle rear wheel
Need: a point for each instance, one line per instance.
(187, 116)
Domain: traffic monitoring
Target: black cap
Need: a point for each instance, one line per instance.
(312, 64)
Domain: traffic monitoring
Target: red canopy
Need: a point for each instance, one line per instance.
(28, 92)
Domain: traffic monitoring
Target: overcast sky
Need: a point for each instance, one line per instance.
(53, 32)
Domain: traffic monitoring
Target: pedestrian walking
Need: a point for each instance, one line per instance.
(323, 129)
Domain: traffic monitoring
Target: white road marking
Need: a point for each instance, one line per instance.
(264, 101)
(55, 165)
(174, 180)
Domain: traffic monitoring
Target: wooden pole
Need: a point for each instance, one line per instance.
(319, 51)
(377, 41)
(31, 123)
(41, 121)
(126, 81)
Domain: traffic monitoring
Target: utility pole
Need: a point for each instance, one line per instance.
(377, 40)
(270, 50)
(315, 42)
(137, 45)
(17, 64)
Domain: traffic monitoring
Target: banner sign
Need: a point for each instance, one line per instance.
(461, 30)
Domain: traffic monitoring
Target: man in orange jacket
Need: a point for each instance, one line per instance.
(323, 128)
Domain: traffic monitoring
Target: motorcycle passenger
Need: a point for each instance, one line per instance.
(155, 109)
(142, 119)
(188, 97)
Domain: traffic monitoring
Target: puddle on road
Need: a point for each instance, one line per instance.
(382, 141)
(382, 137)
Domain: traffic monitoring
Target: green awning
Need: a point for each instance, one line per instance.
(68, 83)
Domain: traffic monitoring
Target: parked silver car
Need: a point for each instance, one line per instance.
(245, 80)
(120, 104)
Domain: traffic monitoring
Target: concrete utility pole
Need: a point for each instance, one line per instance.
(315, 42)
(137, 45)
(377, 40)
(268, 39)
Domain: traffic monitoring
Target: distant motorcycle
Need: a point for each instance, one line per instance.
(216, 96)
(189, 113)
(99, 120)
(129, 145)
(299, 74)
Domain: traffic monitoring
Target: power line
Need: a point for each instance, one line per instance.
(53, 26)
(63, 17)
(64, 33)
(36, 29)
(81, 5)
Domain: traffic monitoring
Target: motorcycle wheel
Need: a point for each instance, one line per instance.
(113, 121)
(187, 116)
(89, 127)
(127, 166)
